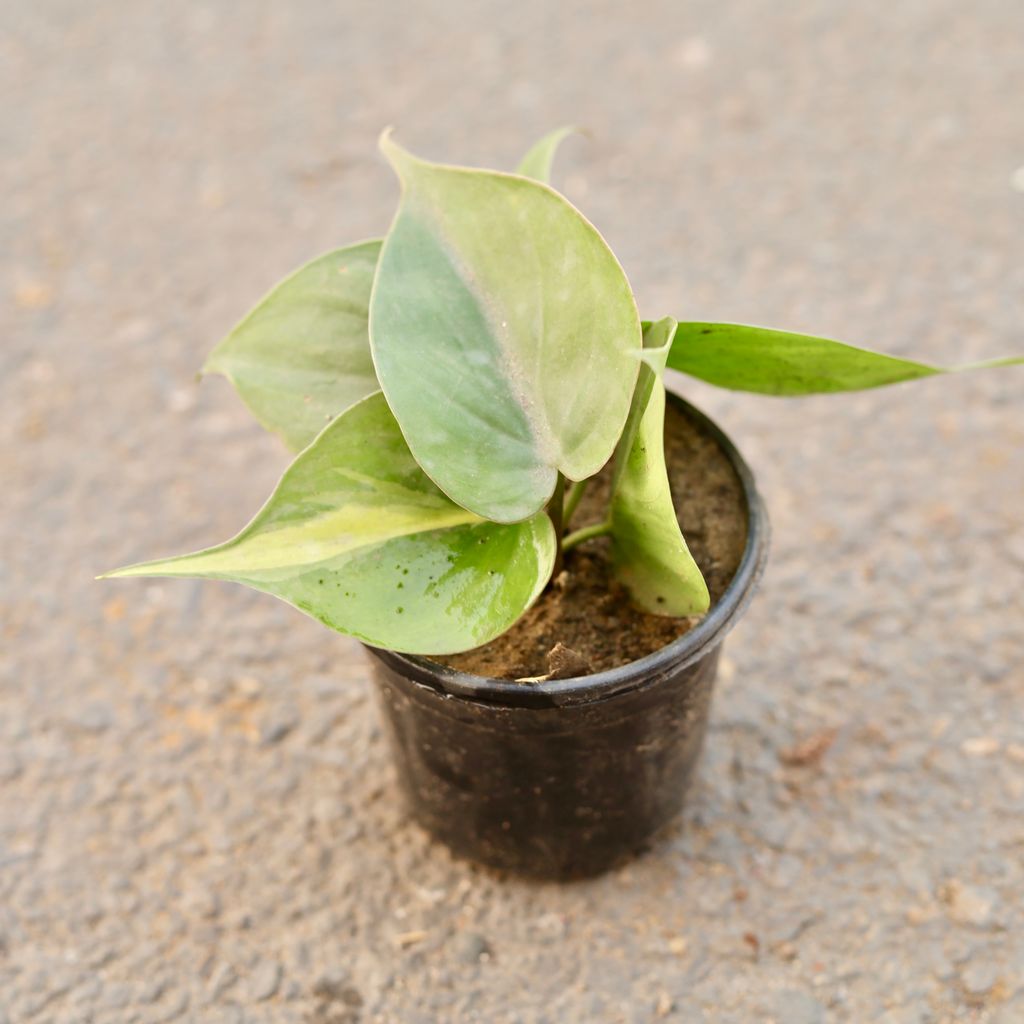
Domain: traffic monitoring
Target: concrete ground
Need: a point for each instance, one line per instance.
(198, 817)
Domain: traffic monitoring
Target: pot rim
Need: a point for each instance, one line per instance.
(678, 654)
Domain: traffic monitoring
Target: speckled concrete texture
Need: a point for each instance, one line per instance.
(198, 819)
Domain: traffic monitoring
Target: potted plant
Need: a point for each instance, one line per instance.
(495, 493)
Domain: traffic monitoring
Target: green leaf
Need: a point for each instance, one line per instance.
(504, 334)
(357, 536)
(303, 354)
(649, 554)
(773, 362)
(537, 162)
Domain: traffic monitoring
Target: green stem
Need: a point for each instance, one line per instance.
(556, 514)
(586, 533)
(572, 499)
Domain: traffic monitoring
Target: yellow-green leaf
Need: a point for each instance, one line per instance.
(649, 554)
(303, 354)
(358, 537)
(770, 362)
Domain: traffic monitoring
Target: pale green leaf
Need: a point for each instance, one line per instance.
(303, 354)
(537, 162)
(358, 537)
(772, 362)
(649, 554)
(504, 335)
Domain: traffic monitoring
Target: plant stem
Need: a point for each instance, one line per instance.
(572, 500)
(586, 533)
(556, 513)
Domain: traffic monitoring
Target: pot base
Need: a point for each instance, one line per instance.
(558, 792)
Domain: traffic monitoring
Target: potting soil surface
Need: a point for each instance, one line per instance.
(585, 621)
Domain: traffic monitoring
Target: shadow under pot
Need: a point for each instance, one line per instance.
(567, 778)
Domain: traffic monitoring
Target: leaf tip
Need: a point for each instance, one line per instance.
(573, 129)
(214, 362)
(660, 333)
(559, 134)
(121, 573)
(157, 567)
(538, 161)
(393, 152)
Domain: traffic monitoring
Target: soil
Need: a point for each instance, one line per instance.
(584, 622)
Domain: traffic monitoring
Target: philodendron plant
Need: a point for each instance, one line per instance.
(451, 389)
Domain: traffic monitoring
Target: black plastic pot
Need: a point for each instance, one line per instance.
(564, 778)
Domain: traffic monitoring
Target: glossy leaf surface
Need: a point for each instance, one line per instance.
(358, 537)
(770, 362)
(504, 335)
(303, 354)
(649, 554)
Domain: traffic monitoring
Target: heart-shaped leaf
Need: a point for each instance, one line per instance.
(537, 162)
(771, 362)
(303, 354)
(649, 554)
(358, 537)
(504, 335)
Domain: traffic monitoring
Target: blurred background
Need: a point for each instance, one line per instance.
(197, 815)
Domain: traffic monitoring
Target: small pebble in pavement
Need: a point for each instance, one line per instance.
(277, 725)
(969, 904)
(472, 948)
(793, 1006)
(979, 977)
(265, 980)
(222, 979)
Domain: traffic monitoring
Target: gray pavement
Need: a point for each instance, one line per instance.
(198, 819)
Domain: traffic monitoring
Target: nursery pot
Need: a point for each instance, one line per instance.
(569, 777)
